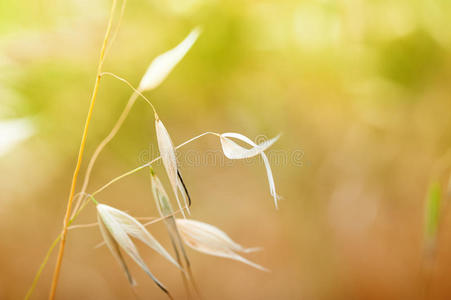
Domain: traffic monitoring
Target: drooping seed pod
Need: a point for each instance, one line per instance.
(211, 240)
(117, 228)
(234, 151)
(167, 152)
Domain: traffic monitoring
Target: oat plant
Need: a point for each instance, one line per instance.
(119, 229)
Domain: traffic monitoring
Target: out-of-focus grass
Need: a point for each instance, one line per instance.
(432, 212)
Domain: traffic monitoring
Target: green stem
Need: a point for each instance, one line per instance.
(93, 200)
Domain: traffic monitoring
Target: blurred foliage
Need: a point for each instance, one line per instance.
(432, 211)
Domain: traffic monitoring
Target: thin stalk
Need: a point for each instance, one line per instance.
(147, 164)
(41, 267)
(84, 203)
(90, 225)
(196, 137)
(119, 122)
(49, 252)
(190, 273)
(57, 239)
(165, 209)
(104, 142)
(187, 262)
(59, 259)
(131, 101)
(132, 87)
(182, 271)
(175, 236)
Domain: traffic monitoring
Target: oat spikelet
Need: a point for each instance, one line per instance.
(117, 228)
(160, 196)
(163, 64)
(211, 240)
(234, 151)
(167, 152)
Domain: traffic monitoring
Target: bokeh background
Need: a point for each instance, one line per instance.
(360, 90)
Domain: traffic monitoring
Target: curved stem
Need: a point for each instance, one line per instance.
(124, 175)
(59, 259)
(85, 202)
(132, 87)
(105, 141)
(103, 187)
(113, 132)
(196, 137)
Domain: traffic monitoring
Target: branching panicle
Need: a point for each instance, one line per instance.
(117, 227)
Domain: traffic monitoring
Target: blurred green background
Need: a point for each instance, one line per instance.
(360, 90)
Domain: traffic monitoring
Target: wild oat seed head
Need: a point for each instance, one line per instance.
(117, 228)
(167, 152)
(211, 240)
(234, 151)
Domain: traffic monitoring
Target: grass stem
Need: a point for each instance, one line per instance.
(146, 164)
(84, 202)
(103, 143)
(59, 259)
(132, 87)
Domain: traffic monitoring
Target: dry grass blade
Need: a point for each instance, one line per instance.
(167, 152)
(165, 209)
(141, 167)
(84, 137)
(211, 240)
(234, 151)
(121, 226)
(162, 65)
(114, 248)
